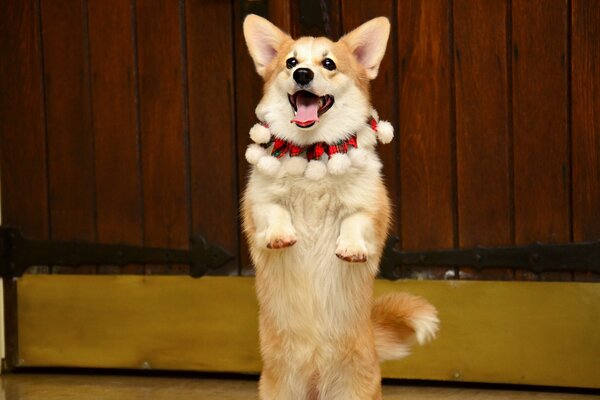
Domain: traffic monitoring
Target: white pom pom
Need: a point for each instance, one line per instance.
(269, 165)
(295, 165)
(315, 170)
(260, 134)
(358, 157)
(338, 164)
(255, 152)
(385, 131)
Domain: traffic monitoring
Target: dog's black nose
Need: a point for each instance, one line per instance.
(303, 76)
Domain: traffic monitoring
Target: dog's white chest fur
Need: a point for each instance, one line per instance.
(308, 290)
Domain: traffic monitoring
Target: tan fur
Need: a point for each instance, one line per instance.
(321, 335)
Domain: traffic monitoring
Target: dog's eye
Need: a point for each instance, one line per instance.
(291, 63)
(328, 64)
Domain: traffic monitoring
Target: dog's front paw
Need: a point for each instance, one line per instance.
(280, 238)
(354, 251)
(281, 243)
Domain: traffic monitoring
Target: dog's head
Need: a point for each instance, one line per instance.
(315, 90)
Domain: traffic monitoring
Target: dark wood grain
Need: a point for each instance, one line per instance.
(586, 123)
(118, 186)
(163, 137)
(540, 128)
(211, 116)
(317, 18)
(426, 141)
(23, 172)
(383, 89)
(248, 92)
(23, 175)
(482, 128)
(280, 13)
(109, 113)
(69, 124)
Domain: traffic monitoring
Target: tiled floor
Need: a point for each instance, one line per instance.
(85, 387)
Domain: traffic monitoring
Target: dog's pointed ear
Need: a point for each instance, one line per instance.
(263, 39)
(368, 43)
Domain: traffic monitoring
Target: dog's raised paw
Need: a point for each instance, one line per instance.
(280, 237)
(279, 243)
(352, 258)
(351, 252)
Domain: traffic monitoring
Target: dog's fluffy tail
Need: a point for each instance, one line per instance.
(400, 320)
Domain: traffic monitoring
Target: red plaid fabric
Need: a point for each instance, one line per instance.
(314, 151)
(373, 124)
(281, 147)
(342, 146)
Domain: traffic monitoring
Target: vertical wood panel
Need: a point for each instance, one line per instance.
(166, 217)
(541, 151)
(317, 18)
(248, 91)
(211, 115)
(586, 122)
(69, 128)
(280, 13)
(425, 146)
(383, 89)
(482, 129)
(22, 133)
(115, 126)
(23, 174)
(117, 175)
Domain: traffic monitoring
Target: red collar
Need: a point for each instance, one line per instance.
(313, 151)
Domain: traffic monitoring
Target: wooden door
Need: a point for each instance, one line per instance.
(126, 122)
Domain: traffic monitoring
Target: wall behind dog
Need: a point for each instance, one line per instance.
(127, 121)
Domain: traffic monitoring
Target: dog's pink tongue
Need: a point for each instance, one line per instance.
(308, 109)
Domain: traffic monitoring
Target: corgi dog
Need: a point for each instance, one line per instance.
(316, 216)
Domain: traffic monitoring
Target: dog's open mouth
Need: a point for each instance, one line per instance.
(308, 107)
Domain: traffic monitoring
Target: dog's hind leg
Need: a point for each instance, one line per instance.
(353, 374)
(276, 384)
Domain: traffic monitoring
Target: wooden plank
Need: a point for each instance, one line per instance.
(280, 13)
(585, 75)
(384, 94)
(248, 92)
(69, 124)
(118, 186)
(511, 329)
(163, 137)
(483, 142)
(23, 174)
(540, 125)
(317, 18)
(212, 137)
(426, 137)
